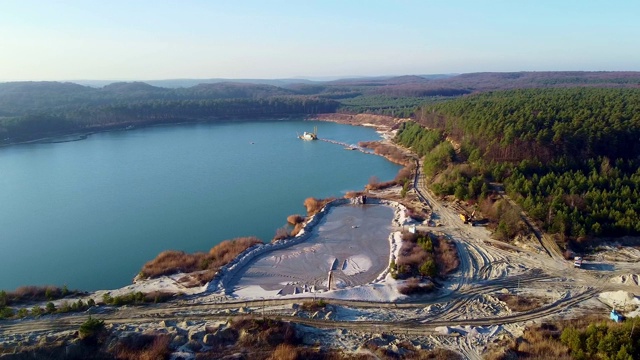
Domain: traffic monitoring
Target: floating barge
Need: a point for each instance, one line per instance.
(310, 135)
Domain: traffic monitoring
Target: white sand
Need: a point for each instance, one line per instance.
(301, 270)
(619, 298)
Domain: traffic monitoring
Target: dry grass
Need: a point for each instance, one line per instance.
(255, 332)
(26, 294)
(413, 286)
(281, 234)
(447, 259)
(380, 185)
(145, 347)
(296, 229)
(411, 255)
(521, 303)
(314, 205)
(285, 352)
(395, 155)
(295, 219)
(392, 152)
(313, 306)
(173, 262)
(353, 194)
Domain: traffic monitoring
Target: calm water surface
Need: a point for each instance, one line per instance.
(90, 213)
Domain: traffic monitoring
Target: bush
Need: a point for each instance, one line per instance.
(145, 347)
(295, 219)
(281, 234)
(26, 294)
(90, 328)
(51, 308)
(413, 286)
(446, 256)
(313, 305)
(314, 205)
(37, 311)
(296, 229)
(428, 268)
(6, 312)
(173, 262)
(285, 352)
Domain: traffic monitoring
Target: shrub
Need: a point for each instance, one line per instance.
(353, 194)
(6, 312)
(521, 303)
(285, 352)
(22, 313)
(173, 262)
(314, 205)
(51, 308)
(26, 294)
(90, 328)
(446, 256)
(37, 311)
(281, 234)
(428, 268)
(295, 219)
(313, 305)
(414, 286)
(296, 229)
(145, 347)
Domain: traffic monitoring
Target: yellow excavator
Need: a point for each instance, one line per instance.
(467, 218)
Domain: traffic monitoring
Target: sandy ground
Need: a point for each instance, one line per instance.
(351, 241)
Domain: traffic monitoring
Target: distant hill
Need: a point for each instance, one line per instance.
(77, 106)
(233, 90)
(518, 80)
(186, 83)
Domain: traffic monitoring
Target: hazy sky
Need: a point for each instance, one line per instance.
(156, 39)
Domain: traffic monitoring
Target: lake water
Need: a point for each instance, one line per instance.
(88, 214)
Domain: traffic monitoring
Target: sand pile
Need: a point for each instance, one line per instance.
(619, 298)
(627, 279)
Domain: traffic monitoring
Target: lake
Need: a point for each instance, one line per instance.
(88, 214)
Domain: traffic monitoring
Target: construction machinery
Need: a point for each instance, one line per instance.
(616, 316)
(310, 135)
(467, 218)
(577, 262)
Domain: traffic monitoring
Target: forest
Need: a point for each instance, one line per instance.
(31, 110)
(569, 156)
(149, 112)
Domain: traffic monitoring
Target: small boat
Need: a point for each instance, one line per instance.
(350, 148)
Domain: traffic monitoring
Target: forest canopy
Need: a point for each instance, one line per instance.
(569, 156)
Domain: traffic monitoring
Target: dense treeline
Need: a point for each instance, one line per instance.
(604, 341)
(544, 123)
(87, 118)
(21, 98)
(398, 106)
(569, 157)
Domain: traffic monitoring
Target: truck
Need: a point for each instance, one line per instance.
(616, 316)
(577, 262)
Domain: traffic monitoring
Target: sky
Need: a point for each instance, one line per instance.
(267, 39)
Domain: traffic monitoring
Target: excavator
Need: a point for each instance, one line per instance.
(467, 219)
